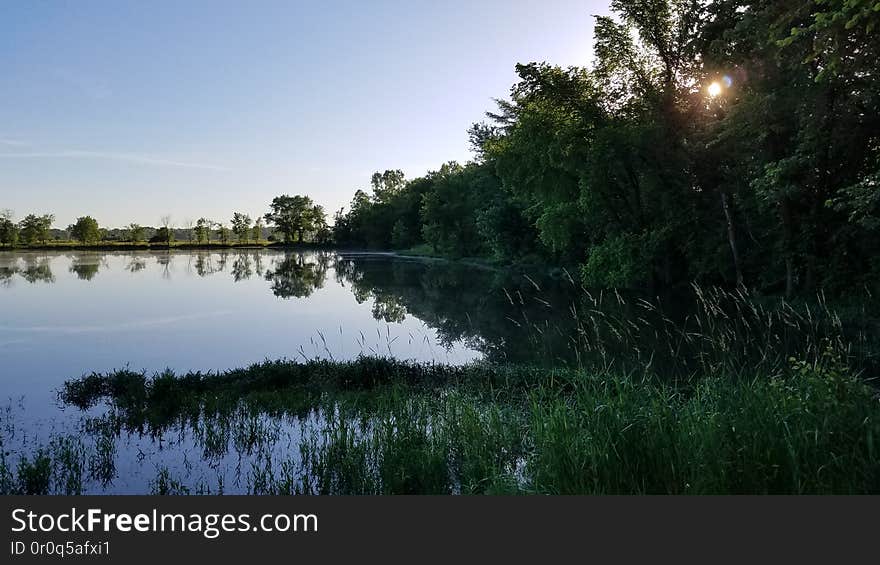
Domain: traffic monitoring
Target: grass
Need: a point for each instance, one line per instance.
(726, 332)
(738, 396)
(56, 468)
(390, 427)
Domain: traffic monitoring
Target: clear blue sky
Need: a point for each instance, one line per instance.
(129, 110)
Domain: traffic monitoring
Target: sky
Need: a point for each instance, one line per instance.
(128, 111)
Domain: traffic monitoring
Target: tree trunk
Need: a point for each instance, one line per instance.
(731, 237)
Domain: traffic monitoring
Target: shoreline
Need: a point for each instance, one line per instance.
(125, 246)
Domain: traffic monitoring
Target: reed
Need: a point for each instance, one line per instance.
(738, 395)
(379, 426)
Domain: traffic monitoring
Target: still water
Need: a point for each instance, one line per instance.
(64, 315)
(67, 314)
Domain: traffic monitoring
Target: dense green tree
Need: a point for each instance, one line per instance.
(387, 185)
(543, 152)
(296, 217)
(35, 229)
(449, 211)
(733, 142)
(316, 225)
(135, 233)
(241, 226)
(203, 230)
(8, 228)
(371, 219)
(389, 217)
(85, 230)
(802, 133)
(163, 235)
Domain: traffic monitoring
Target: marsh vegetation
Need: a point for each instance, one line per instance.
(569, 390)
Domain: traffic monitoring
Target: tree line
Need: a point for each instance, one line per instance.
(295, 219)
(726, 142)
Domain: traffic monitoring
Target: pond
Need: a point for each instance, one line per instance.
(67, 314)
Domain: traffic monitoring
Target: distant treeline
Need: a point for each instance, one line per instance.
(37, 230)
(294, 219)
(725, 142)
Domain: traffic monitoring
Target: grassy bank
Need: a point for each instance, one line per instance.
(391, 427)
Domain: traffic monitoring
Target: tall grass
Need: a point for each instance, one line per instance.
(733, 396)
(708, 331)
(56, 468)
(383, 426)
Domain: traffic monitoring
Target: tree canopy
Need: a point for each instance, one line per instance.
(734, 142)
(731, 142)
(298, 218)
(85, 230)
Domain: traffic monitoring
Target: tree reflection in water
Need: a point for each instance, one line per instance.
(36, 269)
(85, 265)
(298, 275)
(492, 311)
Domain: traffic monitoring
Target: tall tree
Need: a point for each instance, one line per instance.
(733, 142)
(135, 233)
(294, 216)
(8, 228)
(85, 230)
(387, 185)
(203, 230)
(241, 226)
(35, 228)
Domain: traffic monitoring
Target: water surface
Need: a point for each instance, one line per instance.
(66, 314)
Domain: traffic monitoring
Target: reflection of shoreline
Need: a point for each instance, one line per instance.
(31, 267)
(460, 303)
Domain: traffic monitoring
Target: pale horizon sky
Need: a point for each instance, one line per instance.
(127, 111)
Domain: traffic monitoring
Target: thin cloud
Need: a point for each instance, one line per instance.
(124, 157)
(13, 142)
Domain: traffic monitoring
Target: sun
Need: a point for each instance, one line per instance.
(714, 89)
